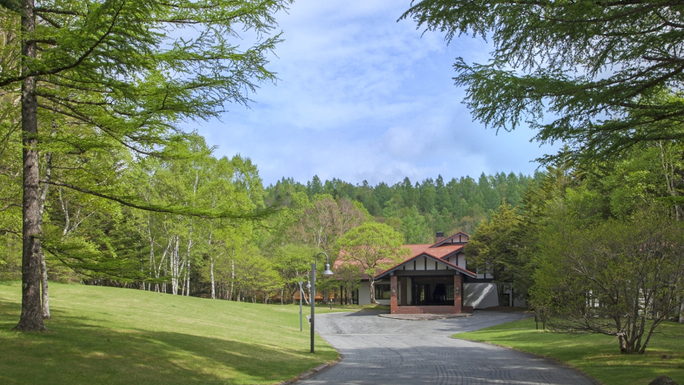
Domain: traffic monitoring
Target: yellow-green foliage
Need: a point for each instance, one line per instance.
(105, 335)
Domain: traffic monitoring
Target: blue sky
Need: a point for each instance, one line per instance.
(364, 97)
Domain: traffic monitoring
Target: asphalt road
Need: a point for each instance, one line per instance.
(378, 350)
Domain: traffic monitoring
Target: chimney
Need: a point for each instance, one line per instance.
(439, 237)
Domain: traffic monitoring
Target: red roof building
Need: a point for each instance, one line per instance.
(431, 280)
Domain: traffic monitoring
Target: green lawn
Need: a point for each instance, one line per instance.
(104, 335)
(596, 355)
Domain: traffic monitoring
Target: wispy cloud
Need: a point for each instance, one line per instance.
(363, 97)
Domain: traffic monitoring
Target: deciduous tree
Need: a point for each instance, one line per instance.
(371, 246)
(618, 277)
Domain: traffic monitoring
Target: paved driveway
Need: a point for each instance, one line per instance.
(378, 350)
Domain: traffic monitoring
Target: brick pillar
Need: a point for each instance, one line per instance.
(393, 290)
(458, 293)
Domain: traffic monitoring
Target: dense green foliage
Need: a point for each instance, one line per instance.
(600, 76)
(92, 84)
(621, 278)
(372, 247)
(419, 210)
(596, 248)
(597, 242)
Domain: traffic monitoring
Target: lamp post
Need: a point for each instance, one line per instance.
(301, 293)
(326, 272)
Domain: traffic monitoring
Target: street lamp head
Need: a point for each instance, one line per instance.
(327, 272)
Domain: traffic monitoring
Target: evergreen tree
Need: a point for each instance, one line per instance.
(110, 69)
(586, 65)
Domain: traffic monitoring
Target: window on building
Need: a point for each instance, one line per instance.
(382, 291)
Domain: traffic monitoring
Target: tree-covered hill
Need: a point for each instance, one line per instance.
(419, 210)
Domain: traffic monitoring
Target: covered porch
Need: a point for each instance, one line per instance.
(426, 285)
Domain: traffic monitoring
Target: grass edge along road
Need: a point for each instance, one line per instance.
(596, 355)
(106, 335)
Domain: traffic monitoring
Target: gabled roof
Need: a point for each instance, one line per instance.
(438, 251)
(460, 238)
(449, 265)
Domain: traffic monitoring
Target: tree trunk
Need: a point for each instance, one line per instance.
(43, 266)
(372, 291)
(626, 346)
(187, 263)
(232, 275)
(175, 268)
(187, 278)
(213, 283)
(44, 285)
(31, 318)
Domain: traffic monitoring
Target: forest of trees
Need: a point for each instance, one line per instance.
(98, 184)
(419, 210)
(598, 245)
(95, 240)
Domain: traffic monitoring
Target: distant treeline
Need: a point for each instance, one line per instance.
(419, 209)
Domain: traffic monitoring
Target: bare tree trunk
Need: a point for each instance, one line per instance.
(45, 295)
(44, 286)
(31, 318)
(153, 261)
(232, 275)
(187, 277)
(213, 283)
(187, 262)
(372, 291)
(175, 270)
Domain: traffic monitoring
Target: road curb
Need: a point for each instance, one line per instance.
(311, 372)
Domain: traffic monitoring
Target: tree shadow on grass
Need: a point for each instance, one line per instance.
(78, 350)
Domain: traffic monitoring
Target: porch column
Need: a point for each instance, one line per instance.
(458, 293)
(393, 290)
(404, 293)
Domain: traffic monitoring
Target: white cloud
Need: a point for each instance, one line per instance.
(362, 97)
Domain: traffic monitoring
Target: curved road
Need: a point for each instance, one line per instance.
(377, 350)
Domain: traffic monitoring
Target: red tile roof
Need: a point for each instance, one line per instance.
(453, 266)
(438, 250)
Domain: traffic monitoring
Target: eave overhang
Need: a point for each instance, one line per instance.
(449, 265)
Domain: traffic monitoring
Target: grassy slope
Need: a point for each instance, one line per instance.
(596, 355)
(108, 335)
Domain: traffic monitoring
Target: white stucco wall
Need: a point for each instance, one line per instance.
(364, 293)
(461, 261)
